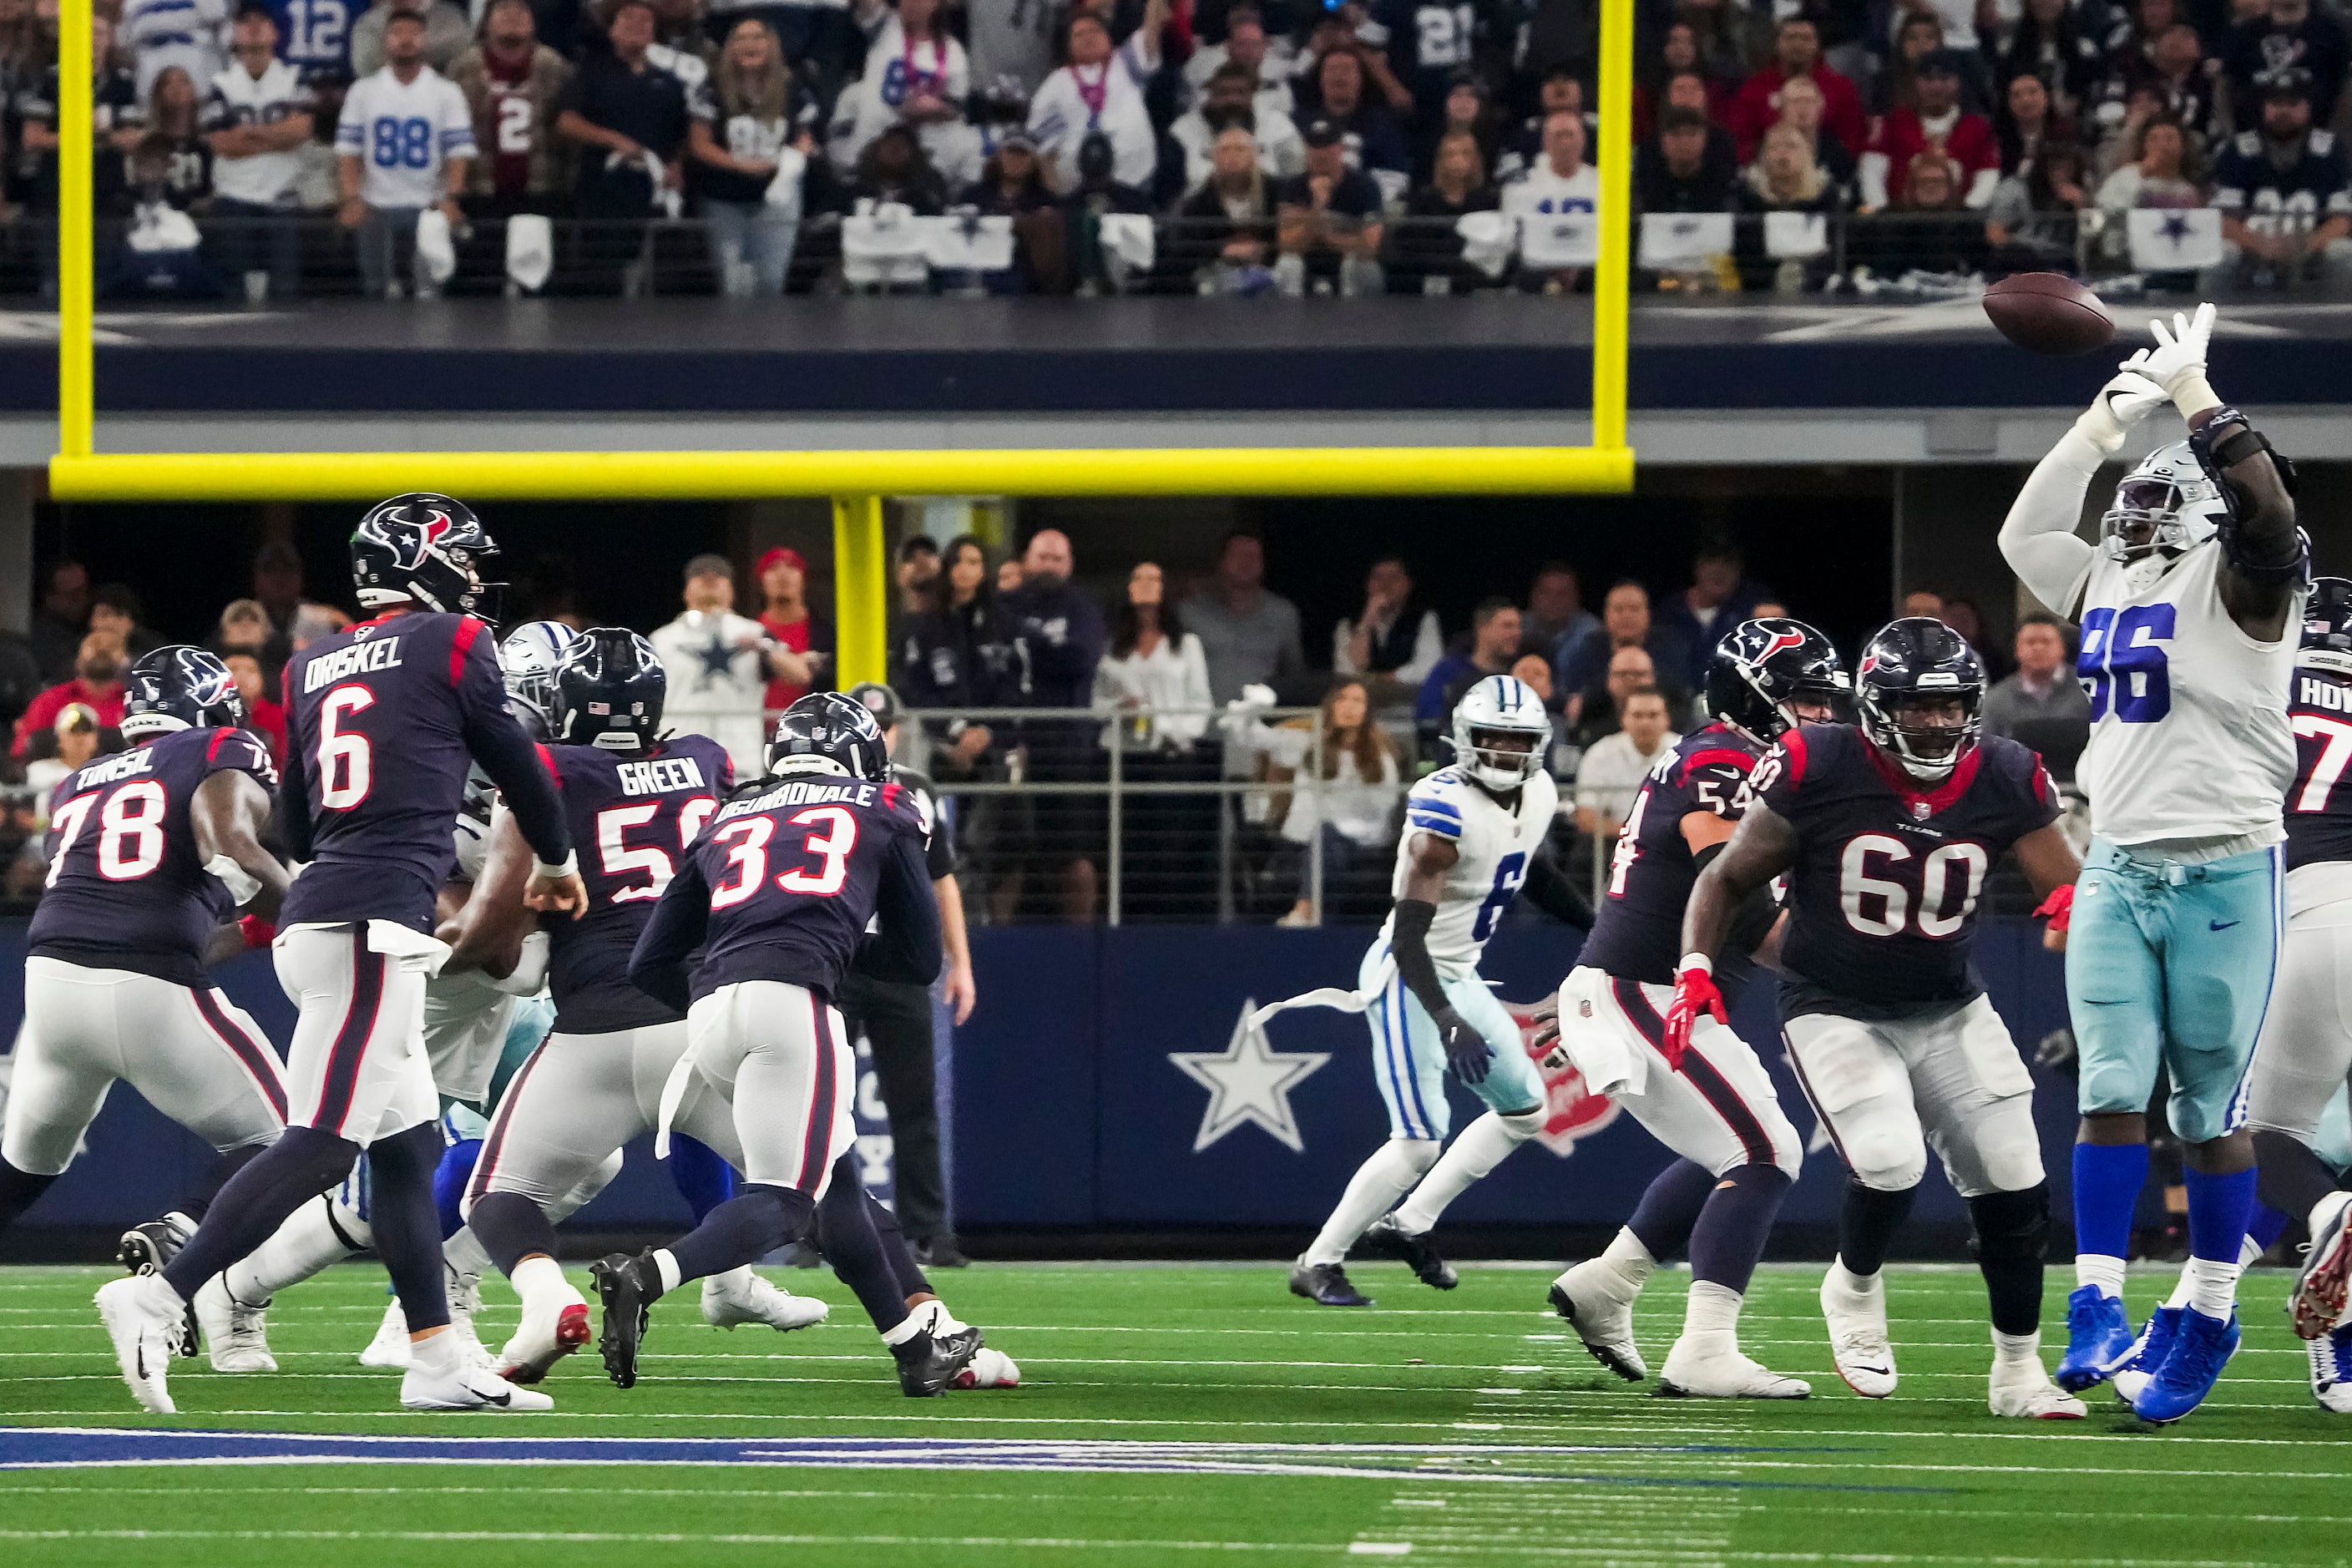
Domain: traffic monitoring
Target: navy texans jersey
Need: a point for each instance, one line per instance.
(2319, 806)
(780, 886)
(633, 815)
(1883, 897)
(381, 721)
(1638, 935)
(125, 888)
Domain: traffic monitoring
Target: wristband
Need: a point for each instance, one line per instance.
(568, 866)
(1697, 961)
(258, 932)
(241, 884)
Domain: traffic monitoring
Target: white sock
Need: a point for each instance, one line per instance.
(907, 1328)
(1483, 1144)
(539, 1283)
(666, 1265)
(2213, 1287)
(1711, 1315)
(2250, 1252)
(307, 1244)
(464, 1255)
(942, 1321)
(2099, 1268)
(1868, 1287)
(1371, 1192)
(2016, 1351)
(734, 1281)
(437, 1355)
(1630, 1261)
(2182, 1288)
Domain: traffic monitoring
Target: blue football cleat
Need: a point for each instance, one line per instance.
(2154, 1344)
(2201, 1348)
(2099, 1339)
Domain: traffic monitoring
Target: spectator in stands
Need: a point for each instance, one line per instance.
(1924, 603)
(1555, 615)
(1683, 168)
(1796, 52)
(1784, 178)
(2160, 172)
(1561, 94)
(1247, 46)
(2043, 687)
(1728, 36)
(2286, 196)
(2032, 219)
(1494, 649)
(1008, 575)
(1327, 219)
(115, 610)
(1225, 233)
(2285, 38)
(1393, 640)
(2172, 78)
(1937, 125)
(447, 34)
(157, 34)
(719, 665)
(750, 159)
(918, 565)
(1918, 35)
(1938, 234)
(684, 43)
(2049, 41)
(515, 85)
(800, 640)
(1599, 710)
(1961, 614)
(1249, 635)
(176, 116)
(1562, 182)
(2022, 123)
(628, 116)
(257, 118)
(61, 618)
(1425, 252)
(893, 169)
(959, 652)
(1101, 89)
(2133, 29)
(1375, 142)
(96, 680)
(1228, 103)
(1625, 622)
(73, 741)
(1059, 629)
(1720, 596)
(1802, 106)
(263, 717)
(405, 142)
(1097, 263)
(117, 107)
(1343, 790)
(1155, 675)
(1012, 182)
(1611, 772)
(277, 589)
(1468, 111)
(917, 75)
(1535, 670)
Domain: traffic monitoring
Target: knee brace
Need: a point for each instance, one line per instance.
(1889, 1156)
(2011, 1226)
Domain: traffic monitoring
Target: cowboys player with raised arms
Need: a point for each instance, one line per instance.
(383, 719)
(1715, 1105)
(1887, 833)
(2185, 603)
(1473, 835)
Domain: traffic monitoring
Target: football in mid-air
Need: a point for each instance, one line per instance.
(2049, 313)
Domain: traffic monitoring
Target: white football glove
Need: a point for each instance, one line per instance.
(2125, 400)
(2177, 363)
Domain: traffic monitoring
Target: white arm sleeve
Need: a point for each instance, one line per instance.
(2038, 537)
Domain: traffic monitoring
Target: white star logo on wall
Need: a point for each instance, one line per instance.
(1248, 1081)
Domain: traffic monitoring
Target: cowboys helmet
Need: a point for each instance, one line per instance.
(1914, 663)
(1764, 672)
(2167, 503)
(424, 548)
(1500, 732)
(527, 661)
(179, 686)
(826, 732)
(2327, 626)
(609, 691)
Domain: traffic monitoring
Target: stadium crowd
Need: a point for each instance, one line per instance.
(1016, 676)
(1409, 145)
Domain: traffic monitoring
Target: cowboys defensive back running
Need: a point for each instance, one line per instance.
(2186, 606)
(1473, 832)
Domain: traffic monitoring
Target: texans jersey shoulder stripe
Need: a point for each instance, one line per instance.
(1638, 933)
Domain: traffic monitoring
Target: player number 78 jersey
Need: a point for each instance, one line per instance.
(1495, 842)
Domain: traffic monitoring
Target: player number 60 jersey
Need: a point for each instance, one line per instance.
(1495, 843)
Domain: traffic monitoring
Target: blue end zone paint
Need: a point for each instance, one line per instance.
(68, 1447)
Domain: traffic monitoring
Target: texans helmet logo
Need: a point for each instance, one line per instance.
(1779, 640)
(410, 542)
(1869, 663)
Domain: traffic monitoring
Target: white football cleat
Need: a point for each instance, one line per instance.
(466, 1388)
(987, 1369)
(236, 1335)
(739, 1296)
(1723, 1372)
(1855, 1310)
(2331, 1369)
(390, 1346)
(1598, 1302)
(2027, 1394)
(145, 1318)
(544, 1337)
(464, 1292)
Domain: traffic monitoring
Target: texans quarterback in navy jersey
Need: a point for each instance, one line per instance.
(1886, 834)
(383, 720)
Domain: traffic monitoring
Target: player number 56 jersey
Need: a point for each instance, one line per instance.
(1495, 842)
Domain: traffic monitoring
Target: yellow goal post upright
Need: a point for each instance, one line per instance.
(855, 479)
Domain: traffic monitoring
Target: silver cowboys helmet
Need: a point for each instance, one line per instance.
(1501, 733)
(2166, 504)
(527, 661)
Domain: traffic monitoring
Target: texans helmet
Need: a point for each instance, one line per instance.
(2166, 504)
(1767, 677)
(2327, 626)
(1501, 733)
(528, 660)
(609, 691)
(826, 732)
(178, 687)
(1913, 666)
(426, 549)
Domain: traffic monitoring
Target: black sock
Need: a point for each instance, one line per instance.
(2290, 1178)
(19, 1190)
(1731, 1230)
(845, 1233)
(510, 1227)
(1867, 1223)
(745, 1228)
(301, 1164)
(1669, 1209)
(407, 1223)
(2012, 1232)
(217, 1177)
(911, 1281)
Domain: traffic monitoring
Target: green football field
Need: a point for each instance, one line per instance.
(1180, 1415)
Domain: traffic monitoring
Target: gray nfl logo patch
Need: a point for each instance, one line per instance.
(1921, 811)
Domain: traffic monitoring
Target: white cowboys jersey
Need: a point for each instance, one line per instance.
(1495, 843)
(2188, 725)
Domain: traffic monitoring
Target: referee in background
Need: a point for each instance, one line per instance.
(896, 1019)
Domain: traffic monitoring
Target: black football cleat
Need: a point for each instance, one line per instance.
(940, 1252)
(1390, 1239)
(929, 1363)
(147, 1249)
(1326, 1285)
(628, 1288)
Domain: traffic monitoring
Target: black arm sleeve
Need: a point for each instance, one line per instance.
(508, 755)
(658, 963)
(907, 948)
(2259, 535)
(1409, 942)
(1550, 890)
(1752, 923)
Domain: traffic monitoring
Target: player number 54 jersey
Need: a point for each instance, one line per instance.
(1638, 935)
(1495, 843)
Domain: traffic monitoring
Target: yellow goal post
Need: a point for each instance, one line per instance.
(857, 479)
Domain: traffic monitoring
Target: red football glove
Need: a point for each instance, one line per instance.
(258, 932)
(1695, 993)
(2058, 908)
